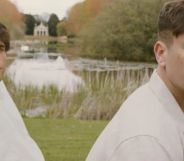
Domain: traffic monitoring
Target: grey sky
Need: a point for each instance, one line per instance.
(60, 7)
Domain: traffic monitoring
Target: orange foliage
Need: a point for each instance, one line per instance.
(11, 17)
(82, 14)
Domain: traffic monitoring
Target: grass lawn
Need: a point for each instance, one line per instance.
(64, 140)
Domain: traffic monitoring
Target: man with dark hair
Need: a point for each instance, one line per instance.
(150, 123)
(15, 142)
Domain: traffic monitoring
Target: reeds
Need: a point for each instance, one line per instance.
(103, 94)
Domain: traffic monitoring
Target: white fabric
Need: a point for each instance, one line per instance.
(15, 142)
(148, 126)
(142, 148)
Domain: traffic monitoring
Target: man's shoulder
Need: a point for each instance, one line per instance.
(141, 99)
(142, 111)
(142, 114)
(141, 147)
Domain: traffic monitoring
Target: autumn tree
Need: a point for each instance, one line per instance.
(82, 14)
(12, 18)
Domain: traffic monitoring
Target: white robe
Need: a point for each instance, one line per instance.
(148, 127)
(15, 141)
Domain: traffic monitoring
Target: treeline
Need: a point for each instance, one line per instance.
(12, 18)
(122, 29)
(113, 29)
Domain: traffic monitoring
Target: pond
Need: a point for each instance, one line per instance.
(44, 69)
(42, 72)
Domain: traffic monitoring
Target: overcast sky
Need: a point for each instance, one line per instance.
(60, 7)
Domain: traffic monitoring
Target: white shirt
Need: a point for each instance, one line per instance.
(148, 127)
(15, 142)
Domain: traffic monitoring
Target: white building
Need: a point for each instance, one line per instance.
(41, 30)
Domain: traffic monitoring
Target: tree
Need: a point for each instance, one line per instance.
(126, 30)
(12, 18)
(82, 14)
(52, 24)
(61, 28)
(30, 24)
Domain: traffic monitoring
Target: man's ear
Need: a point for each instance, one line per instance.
(160, 51)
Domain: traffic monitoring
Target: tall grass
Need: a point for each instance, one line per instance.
(103, 94)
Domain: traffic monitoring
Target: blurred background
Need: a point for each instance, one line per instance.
(72, 63)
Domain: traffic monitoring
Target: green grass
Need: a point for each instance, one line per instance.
(64, 140)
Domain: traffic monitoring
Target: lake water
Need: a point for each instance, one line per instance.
(41, 71)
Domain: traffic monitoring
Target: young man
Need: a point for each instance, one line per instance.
(150, 124)
(15, 142)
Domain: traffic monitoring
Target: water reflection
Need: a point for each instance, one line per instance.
(42, 71)
(52, 47)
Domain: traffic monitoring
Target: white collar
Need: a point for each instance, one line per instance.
(166, 98)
